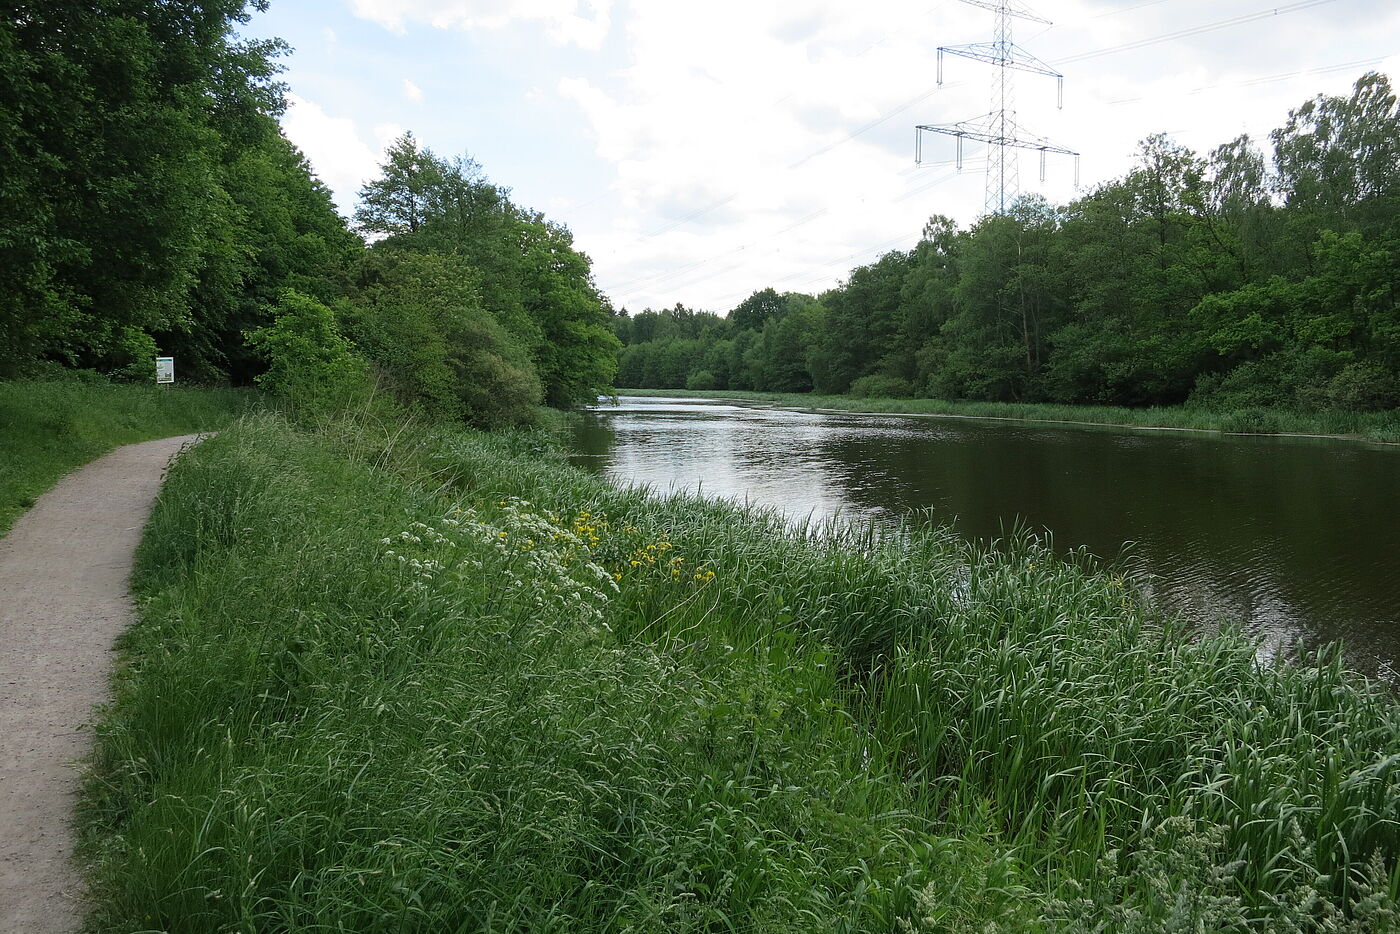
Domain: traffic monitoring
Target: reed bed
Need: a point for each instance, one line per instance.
(392, 679)
(1381, 427)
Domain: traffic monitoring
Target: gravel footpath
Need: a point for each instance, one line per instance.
(64, 570)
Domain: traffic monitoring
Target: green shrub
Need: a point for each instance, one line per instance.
(1362, 387)
(1253, 421)
(419, 319)
(701, 380)
(309, 362)
(134, 357)
(879, 386)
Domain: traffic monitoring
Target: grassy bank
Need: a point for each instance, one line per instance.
(49, 428)
(1371, 426)
(396, 680)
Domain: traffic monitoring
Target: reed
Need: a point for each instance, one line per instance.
(1383, 427)
(412, 679)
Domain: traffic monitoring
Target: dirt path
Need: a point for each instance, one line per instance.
(64, 569)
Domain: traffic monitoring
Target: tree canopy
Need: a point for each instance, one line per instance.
(1241, 278)
(150, 204)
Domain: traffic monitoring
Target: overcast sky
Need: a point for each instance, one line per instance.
(701, 151)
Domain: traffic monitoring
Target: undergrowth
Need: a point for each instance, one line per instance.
(397, 679)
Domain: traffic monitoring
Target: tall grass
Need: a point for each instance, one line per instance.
(1371, 426)
(48, 428)
(392, 679)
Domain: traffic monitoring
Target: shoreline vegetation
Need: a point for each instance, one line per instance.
(48, 428)
(400, 676)
(1377, 427)
(411, 678)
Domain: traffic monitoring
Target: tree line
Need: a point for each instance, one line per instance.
(150, 204)
(1250, 276)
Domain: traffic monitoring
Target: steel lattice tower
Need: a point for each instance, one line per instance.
(998, 128)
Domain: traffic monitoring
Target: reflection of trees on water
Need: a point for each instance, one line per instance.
(1294, 537)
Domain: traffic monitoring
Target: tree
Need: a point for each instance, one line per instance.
(1337, 158)
(529, 276)
(128, 132)
(418, 317)
(406, 194)
(755, 311)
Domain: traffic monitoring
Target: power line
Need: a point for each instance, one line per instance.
(649, 282)
(999, 129)
(1265, 79)
(1194, 31)
(1084, 56)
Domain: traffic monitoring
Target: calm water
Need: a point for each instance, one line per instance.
(1299, 538)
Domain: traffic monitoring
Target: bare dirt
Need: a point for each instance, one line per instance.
(64, 599)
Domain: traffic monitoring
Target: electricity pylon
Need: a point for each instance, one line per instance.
(999, 129)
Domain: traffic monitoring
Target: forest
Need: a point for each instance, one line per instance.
(150, 204)
(1257, 275)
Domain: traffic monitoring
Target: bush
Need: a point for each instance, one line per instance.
(1362, 387)
(1253, 421)
(701, 380)
(419, 319)
(134, 357)
(308, 360)
(1315, 380)
(879, 386)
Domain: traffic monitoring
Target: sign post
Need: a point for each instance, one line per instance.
(165, 369)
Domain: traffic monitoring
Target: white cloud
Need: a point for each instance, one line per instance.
(584, 23)
(334, 147)
(735, 162)
(386, 133)
(753, 146)
(738, 144)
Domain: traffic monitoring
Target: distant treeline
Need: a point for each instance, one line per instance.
(1231, 280)
(149, 204)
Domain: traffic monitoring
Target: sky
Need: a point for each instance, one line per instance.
(702, 151)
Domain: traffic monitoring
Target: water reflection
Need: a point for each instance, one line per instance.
(1296, 537)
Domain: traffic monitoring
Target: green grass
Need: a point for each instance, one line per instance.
(49, 428)
(1370, 426)
(393, 679)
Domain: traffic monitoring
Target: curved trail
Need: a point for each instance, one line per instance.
(64, 571)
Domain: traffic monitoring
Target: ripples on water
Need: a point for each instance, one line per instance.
(1297, 538)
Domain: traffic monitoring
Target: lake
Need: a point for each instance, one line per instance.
(1297, 538)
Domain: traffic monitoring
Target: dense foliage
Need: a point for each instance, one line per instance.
(150, 204)
(512, 263)
(1229, 280)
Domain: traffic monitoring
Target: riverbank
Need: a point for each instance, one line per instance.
(1383, 427)
(431, 680)
(49, 428)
